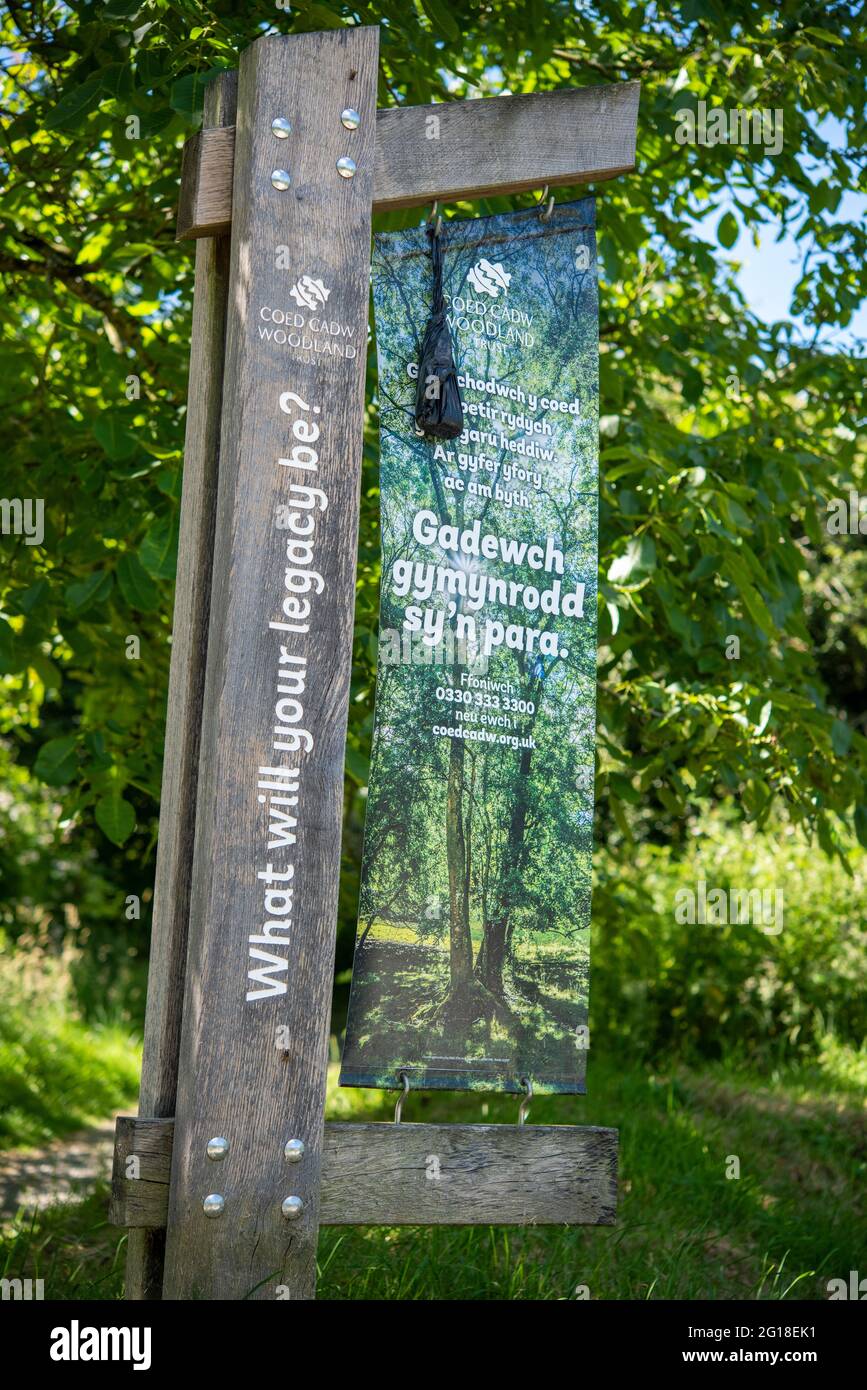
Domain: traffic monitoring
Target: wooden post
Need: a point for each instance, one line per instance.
(254, 1052)
(238, 1000)
(168, 952)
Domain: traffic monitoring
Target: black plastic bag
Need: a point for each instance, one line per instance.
(438, 407)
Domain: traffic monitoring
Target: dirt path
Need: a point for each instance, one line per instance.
(65, 1171)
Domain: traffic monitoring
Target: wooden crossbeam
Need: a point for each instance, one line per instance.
(451, 150)
(406, 1175)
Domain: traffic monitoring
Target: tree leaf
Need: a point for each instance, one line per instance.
(115, 817)
(158, 551)
(84, 593)
(7, 648)
(357, 766)
(56, 761)
(116, 80)
(727, 232)
(122, 9)
(444, 24)
(841, 737)
(76, 103)
(135, 583)
(636, 563)
(188, 93)
(764, 717)
(111, 432)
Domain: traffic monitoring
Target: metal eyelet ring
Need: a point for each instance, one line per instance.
(546, 215)
(398, 1109)
(526, 1102)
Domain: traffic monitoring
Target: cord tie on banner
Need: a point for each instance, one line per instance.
(438, 407)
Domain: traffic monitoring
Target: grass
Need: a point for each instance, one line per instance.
(72, 1247)
(57, 1073)
(796, 1216)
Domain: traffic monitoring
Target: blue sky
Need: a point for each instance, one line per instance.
(769, 272)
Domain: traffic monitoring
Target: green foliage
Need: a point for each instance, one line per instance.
(722, 437)
(659, 987)
(792, 1221)
(56, 1072)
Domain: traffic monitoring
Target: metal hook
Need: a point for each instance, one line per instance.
(433, 218)
(526, 1102)
(546, 215)
(398, 1109)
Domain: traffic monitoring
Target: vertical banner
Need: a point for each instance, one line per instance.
(472, 957)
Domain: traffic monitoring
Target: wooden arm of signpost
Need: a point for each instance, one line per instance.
(411, 1175)
(453, 150)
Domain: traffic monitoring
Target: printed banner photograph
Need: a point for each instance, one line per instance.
(472, 956)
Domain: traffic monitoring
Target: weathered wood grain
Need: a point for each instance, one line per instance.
(168, 947)
(412, 1174)
(495, 145)
(468, 1175)
(253, 1070)
(140, 1173)
(207, 170)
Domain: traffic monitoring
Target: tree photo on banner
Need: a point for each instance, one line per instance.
(471, 966)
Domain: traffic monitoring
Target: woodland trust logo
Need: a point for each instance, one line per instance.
(486, 278)
(309, 293)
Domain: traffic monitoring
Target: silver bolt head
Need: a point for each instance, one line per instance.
(350, 118)
(213, 1204)
(346, 167)
(281, 127)
(292, 1208)
(281, 179)
(218, 1148)
(294, 1150)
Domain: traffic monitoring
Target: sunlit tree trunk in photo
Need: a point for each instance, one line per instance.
(494, 949)
(460, 940)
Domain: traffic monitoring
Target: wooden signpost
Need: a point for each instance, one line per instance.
(228, 1173)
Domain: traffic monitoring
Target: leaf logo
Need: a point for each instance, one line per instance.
(489, 279)
(308, 293)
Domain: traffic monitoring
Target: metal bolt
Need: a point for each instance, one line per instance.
(346, 167)
(350, 118)
(292, 1208)
(294, 1150)
(281, 127)
(213, 1204)
(281, 179)
(218, 1148)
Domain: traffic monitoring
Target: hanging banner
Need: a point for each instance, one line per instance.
(472, 957)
